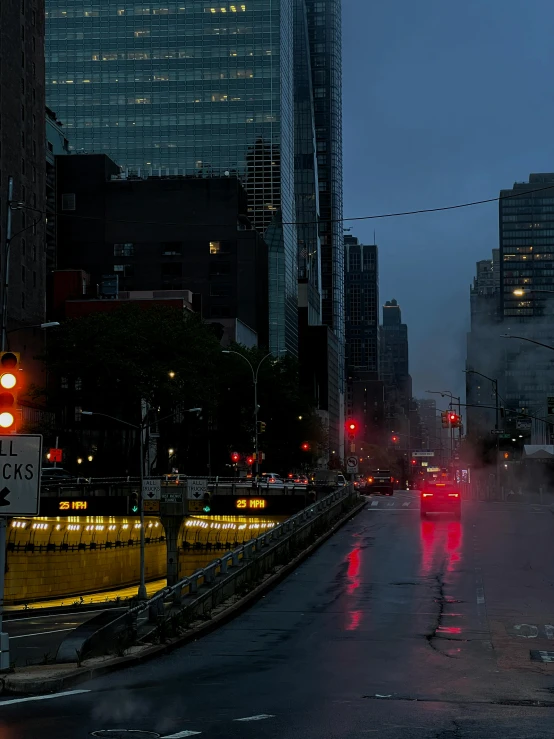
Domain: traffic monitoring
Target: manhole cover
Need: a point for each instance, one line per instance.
(125, 734)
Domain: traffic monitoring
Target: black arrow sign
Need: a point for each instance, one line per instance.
(3, 495)
(150, 494)
(196, 495)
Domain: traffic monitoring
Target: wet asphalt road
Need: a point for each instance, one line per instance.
(395, 628)
(33, 639)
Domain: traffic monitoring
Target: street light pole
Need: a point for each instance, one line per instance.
(142, 593)
(452, 397)
(255, 381)
(496, 421)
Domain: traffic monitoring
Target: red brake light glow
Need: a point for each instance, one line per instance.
(453, 495)
(427, 495)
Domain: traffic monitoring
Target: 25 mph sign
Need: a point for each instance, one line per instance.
(20, 465)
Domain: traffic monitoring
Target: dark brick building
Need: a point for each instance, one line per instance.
(164, 233)
(22, 156)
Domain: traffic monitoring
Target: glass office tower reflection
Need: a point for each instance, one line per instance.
(183, 88)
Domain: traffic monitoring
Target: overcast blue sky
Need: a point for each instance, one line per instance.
(444, 102)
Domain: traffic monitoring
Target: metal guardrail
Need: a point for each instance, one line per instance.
(189, 586)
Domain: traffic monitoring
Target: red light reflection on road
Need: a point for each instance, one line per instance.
(449, 630)
(352, 584)
(453, 542)
(353, 572)
(355, 618)
(440, 543)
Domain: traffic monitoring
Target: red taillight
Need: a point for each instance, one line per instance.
(426, 495)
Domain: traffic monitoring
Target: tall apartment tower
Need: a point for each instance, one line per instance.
(325, 32)
(364, 389)
(195, 89)
(526, 215)
(526, 226)
(23, 160)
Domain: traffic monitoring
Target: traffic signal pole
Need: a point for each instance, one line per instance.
(142, 595)
(4, 637)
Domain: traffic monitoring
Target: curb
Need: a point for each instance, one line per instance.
(84, 674)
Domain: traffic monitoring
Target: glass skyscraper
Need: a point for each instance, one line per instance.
(325, 34)
(189, 87)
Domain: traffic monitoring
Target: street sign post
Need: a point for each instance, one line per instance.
(196, 488)
(151, 506)
(55, 455)
(423, 454)
(20, 465)
(151, 489)
(352, 465)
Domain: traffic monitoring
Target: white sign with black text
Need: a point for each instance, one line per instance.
(352, 464)
(196, 488)
(20, 466)
(151, 489)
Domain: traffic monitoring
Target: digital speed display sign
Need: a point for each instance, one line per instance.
(257, 504)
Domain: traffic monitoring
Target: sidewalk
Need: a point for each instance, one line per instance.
(106, 596)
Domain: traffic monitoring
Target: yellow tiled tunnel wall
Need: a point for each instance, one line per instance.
(40, 574)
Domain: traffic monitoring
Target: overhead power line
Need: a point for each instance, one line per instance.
(398, 214)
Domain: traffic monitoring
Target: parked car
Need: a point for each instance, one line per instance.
(327, 480)
(272, 478)
(174, 479)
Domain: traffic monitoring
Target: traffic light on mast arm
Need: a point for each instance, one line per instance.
(134, 503)
(454, 419)
(10, 385)
(352, 428)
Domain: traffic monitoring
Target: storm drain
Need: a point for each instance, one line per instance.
(125, 734)
(539, 656)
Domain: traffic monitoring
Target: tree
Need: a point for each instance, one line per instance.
(109, 362)
(289, 418)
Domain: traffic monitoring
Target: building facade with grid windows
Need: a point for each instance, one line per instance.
(190, 88)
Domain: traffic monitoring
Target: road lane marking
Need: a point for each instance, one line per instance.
(407, 503)
(540, 656)
(42, 633)
(259, 717)
(181, 734)
(533, 631)
(52, 615)
(374, 503)
(42, 697)
(549, 631)
(480, 596)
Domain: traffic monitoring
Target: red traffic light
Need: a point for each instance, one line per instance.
(414, 461)
(352, 425)
(305, 446)
(235, 456)
(452, 416)
(394, 439)
(9, 384)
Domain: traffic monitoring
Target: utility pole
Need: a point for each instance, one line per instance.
(6, 265)
(4, 637)
(142, 594)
